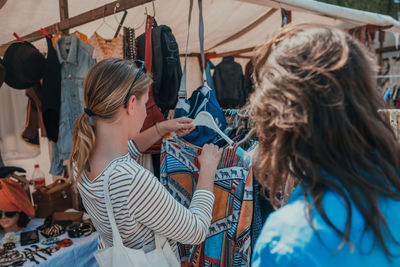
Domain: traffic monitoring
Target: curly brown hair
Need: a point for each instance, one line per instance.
(316, 113)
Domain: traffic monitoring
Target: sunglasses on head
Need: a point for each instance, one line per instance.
(8, 214)
(141, 66)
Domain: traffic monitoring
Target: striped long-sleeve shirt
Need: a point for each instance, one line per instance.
(142, 206)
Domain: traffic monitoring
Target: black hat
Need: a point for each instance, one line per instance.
(24, 65)
(2, 72)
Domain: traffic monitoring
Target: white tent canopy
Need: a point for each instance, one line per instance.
(337, 14)
(223, 19)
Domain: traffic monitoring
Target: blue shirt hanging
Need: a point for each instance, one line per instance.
(202, 99)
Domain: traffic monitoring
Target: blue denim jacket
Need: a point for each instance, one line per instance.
(75, 58)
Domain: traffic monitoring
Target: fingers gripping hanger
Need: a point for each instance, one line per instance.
(205, 119)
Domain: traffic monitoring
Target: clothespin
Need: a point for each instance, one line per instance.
(210, 56)
(45, 33)
(18, 38)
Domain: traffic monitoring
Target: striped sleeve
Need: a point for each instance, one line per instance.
(153, 206)
(133, 150)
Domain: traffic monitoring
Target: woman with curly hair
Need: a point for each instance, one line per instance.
(316, 112)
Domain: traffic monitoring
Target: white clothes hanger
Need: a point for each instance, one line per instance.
(206, 119)
(104, 22)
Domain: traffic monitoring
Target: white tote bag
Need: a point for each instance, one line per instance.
(119, 255)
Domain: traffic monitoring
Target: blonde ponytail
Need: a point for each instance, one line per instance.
(107, 87)
(83, 143)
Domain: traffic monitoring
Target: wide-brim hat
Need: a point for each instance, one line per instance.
(14, 198)
(2, 72)
(24, 65)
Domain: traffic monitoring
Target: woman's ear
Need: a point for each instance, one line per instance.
(131, 104)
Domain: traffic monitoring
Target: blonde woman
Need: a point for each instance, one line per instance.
(116, 92)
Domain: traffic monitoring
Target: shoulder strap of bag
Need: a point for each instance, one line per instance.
(117, 240)
(159, 240)
(182, 88)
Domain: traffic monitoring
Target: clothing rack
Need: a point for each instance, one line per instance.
(387, 76)
(81, 19)
(234, 111)
(238, 116)
(393, 114)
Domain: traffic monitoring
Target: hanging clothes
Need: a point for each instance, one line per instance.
(13, 105)
(75, 58)
(129, 44)
(51, 92)
(34, 117)
(166, 67)
(229, 240)
(248, 80)
(106, 48)
(80, 35)
(229, 84)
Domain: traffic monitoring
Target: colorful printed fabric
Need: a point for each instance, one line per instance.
(229, 239)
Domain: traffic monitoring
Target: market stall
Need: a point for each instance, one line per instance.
(68, 37)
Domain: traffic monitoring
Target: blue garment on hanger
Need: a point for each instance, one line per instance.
(202, 99)
(76, 59)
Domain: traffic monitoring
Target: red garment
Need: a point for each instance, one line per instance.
(154, 114)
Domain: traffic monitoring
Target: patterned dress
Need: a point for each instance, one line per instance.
(228, 242)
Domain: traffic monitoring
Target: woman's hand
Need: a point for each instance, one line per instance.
(182, 126)
(210, 157)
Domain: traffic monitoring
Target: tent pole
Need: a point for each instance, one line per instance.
(380, 56)
(64, 13)
(81, 19)
(225, 54)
